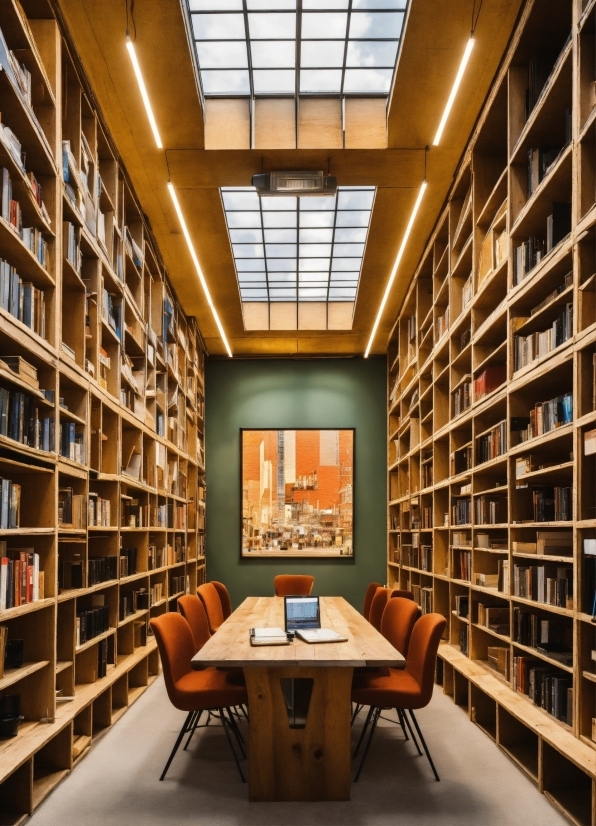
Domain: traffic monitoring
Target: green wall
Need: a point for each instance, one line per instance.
(284, 393)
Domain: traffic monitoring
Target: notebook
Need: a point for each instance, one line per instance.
(269, 636)
(303, 617)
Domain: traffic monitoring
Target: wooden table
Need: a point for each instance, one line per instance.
(298, 697)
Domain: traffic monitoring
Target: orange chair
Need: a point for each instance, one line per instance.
(194, 691)
(397, 623)
(404, 690)
(377, 606)
(368, 598)
(295, 585)
(193, 611)
(209, 596)
(402, 594)
(224, 598)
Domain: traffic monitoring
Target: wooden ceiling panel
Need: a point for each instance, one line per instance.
(436, 34)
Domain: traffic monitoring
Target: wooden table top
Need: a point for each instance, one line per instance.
(231, 647)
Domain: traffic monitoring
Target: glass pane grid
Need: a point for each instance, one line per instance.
(272, 47)
(298, 249)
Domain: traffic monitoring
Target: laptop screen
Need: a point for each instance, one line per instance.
(302, 612)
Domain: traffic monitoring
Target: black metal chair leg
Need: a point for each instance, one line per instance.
(376, 716)
(229, 739)
(244, 711)
(236, 731)
(183, 731)
(401, 722)
(357, 711)
(195, 723)
(411, 730)
(364, 728)
(424, 746)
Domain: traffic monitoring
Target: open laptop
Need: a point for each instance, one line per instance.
(302, 616)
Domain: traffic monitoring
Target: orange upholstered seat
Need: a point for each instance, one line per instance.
(193, 691)
(224, 598)
(209, 596)
(398, 622)
(368, 598)
(193, 611)
(402, 594)
(293, 585)
(377, 606)
(405, 690)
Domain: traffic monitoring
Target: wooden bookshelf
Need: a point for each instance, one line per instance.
(491, 491)
(109, 374)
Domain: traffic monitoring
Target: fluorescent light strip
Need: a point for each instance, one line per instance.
(395, 266)
(143, 90)
(458, 79)
(193, 255)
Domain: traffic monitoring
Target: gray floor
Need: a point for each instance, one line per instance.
(117, 783)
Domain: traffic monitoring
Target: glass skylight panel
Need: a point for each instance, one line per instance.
(336, 40)
(305, 249)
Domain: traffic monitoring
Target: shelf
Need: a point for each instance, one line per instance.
(14, 675)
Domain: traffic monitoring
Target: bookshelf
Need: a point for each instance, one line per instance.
(492, 413)
(101, 419)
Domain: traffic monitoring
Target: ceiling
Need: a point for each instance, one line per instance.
(435, 37)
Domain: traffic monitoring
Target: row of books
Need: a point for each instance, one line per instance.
(461, 511)
(10, 504)
(489, 380)
(552, 504)
(420, 557)
(530, 348)
(544, 417)
(72, 509)
(171, 515)
(495, 617)
(441, 325)
(93, 622)
(547, 688)
(128, 561)
(72, 444)
(112, 313)
(21, 421)
(462, 606)
(462, 565)
(492, 444)
(540, 161)
(464, 640)
(462, 397)
(549, 584)
(178, 584)
(462, 460)
(10, 209)
(22, 299)
(490, 510)
(156, 593)
(99, 511)
(547, 635)
(135, 600)
(168, 555)
(531, 252)
(72, 248)
(21, 578)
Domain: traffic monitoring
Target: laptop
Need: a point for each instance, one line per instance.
(302, 616)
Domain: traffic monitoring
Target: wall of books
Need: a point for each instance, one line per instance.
(492, 413)
(101, 422)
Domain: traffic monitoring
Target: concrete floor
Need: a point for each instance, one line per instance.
(117, 782)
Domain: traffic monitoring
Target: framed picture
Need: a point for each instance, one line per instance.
(297, 493)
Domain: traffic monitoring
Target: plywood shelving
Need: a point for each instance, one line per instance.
(94, 346)
(492, 401)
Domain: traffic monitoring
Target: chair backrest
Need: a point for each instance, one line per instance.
(397, 623)
(209, 596)
(224, 598)
(193, 611)
(402, 594)
(379, 601)
(176, 648)
(299, 585)
(422, 653)
(368, 598)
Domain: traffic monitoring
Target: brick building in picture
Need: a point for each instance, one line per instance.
(297, 492)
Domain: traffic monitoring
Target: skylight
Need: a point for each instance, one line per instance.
(284, 47)
(298, 249)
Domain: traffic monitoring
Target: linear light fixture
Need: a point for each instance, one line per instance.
(398, 258)
(193, 255)
(456, 84)
(143, 89)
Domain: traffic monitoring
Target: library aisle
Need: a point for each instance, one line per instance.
(479, 785)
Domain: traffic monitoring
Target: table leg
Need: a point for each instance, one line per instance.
(299, 747)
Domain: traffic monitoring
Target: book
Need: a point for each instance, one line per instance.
(269, 636)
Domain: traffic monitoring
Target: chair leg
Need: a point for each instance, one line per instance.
(195, 723)
(424, 746)
(401, 722)
(364, 728)
(411, 730)
(357, 711)
(183, 731)
(236, 731)
(377, 714)
(229, 739)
